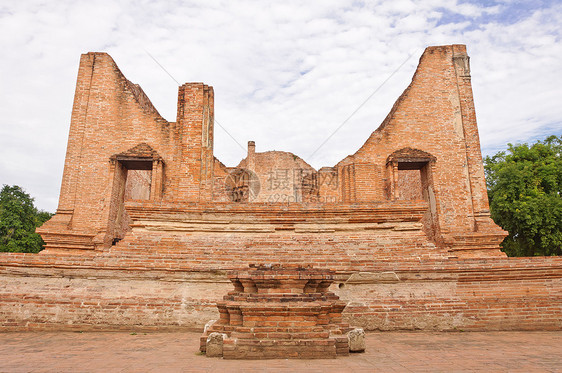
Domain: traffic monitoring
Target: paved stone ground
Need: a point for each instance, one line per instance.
(177, 352)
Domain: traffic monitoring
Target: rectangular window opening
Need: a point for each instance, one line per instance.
(411, 183)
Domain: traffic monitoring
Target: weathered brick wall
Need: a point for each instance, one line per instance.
(91, 297)
(111, 116)
(280, 175)
(509, 294)
(435, 114)
(52, 292)
(221, 173)
(409, 185)
(106, 119)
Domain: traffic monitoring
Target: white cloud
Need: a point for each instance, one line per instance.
(286, 74)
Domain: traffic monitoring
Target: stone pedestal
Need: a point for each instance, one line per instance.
(214, 345)
(356, 338)
(280, 312)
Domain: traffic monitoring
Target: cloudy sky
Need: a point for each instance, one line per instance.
(286, 74)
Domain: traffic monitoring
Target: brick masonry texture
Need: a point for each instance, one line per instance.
(54, 292)
(149, 221)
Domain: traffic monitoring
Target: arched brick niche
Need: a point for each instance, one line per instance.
(410, 172)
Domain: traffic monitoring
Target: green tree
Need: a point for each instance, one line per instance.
(18, 220)
(525, 191)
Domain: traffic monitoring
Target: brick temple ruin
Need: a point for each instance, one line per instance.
(149, 221)
(416, 187)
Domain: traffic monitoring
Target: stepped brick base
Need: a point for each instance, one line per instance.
(281, 312)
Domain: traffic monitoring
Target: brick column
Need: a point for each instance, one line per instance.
(477, 181)
(195, 152)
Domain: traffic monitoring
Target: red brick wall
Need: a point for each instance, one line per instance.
(409, 185)
(280, 175)
(84, 293)
(110, 116)
(430, 116)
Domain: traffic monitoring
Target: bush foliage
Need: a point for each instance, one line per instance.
(525, 192)
(18, 220)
